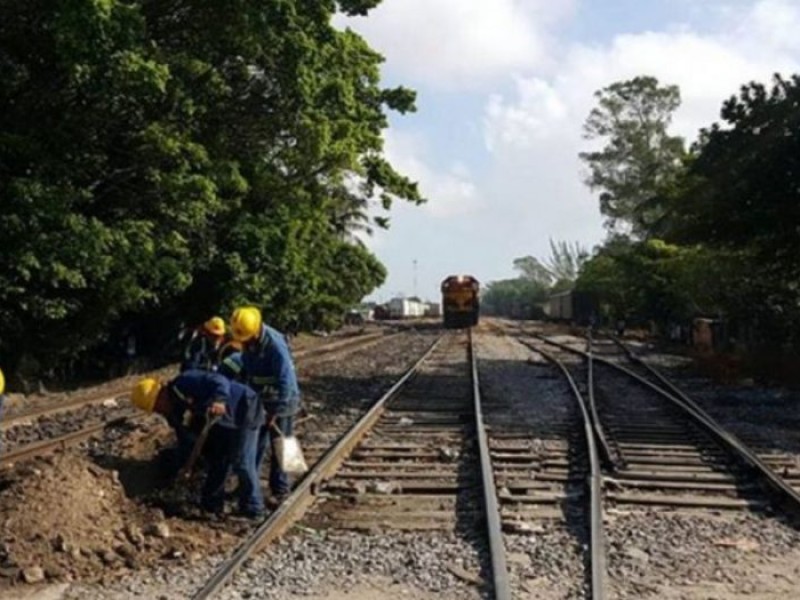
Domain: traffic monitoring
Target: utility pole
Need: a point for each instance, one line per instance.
(415, 278)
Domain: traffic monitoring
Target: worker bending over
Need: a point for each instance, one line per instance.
(266, 365)
(232, 441)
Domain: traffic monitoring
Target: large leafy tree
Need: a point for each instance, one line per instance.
(163, 160)
(565, 263)
(639, 157)
(741, 197)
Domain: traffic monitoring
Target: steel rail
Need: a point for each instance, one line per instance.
(724, 437)
(597, 534)
(350, 343)
(21, 418)
(597, 425)
(69, 439)
(497, 552)
(302, 496)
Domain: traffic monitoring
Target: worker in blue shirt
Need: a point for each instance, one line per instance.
(266, 365)
(202, 350)
(233, 438)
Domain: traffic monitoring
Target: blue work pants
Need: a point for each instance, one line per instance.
(233, 449)
(278, 479)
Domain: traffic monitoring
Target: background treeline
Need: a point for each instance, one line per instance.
(163, 160)
(711, 230)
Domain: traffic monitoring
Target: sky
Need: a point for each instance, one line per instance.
(503, 89)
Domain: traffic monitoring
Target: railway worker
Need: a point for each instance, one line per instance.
(229, 347)
(202, 351)
(266, 365)
(196, 395)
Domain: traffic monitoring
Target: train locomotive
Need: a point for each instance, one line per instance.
(460, 301)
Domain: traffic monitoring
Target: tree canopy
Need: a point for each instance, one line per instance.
(726, 235)
(173, 158)
(639, 156)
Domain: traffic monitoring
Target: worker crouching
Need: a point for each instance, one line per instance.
(236, 416)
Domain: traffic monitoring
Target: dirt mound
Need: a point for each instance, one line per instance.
(66, 518)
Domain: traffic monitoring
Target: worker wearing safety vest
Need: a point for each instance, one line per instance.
(202, 351)
(233, 439)
(266, 365)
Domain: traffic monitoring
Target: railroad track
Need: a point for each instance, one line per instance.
(412, 462)
(777, 471)
(669, 465)
(78, 420)
(657, 439)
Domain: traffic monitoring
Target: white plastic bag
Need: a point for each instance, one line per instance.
(290, 455)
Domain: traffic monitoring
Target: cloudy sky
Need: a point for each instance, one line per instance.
(504, 87)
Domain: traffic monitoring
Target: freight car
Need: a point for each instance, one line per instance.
(572, 306)
(405, 308)
(460, 301)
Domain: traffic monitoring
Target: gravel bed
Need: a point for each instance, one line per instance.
(546, 564)
(315, 562)
(312, 563)
(337, 390)
(654, 552)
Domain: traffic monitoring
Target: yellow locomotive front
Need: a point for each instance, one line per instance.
(460, 301)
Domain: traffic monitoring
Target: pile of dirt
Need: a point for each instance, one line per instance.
(65, 518)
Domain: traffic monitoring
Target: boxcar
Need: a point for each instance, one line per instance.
(571, 305)
(460, 301)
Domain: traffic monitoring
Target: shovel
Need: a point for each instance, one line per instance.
(185, 472)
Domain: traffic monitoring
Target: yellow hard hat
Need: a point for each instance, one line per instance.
(145, 393)
(215, 326)
(245, 323)
(2, 382)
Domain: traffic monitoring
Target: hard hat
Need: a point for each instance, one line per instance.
(2, 382)
(245, 323)
(215, 326)
(145, 393)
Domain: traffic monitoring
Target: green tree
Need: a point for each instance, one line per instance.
(740, 198)
(565, 263)
(639, 156)
(160, 161)
(516, 298)
(532, 269)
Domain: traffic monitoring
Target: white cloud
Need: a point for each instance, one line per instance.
(775, 22)
(529, 188)
(461, 43)
(535, 134)
(707, 70)
(449, 192)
